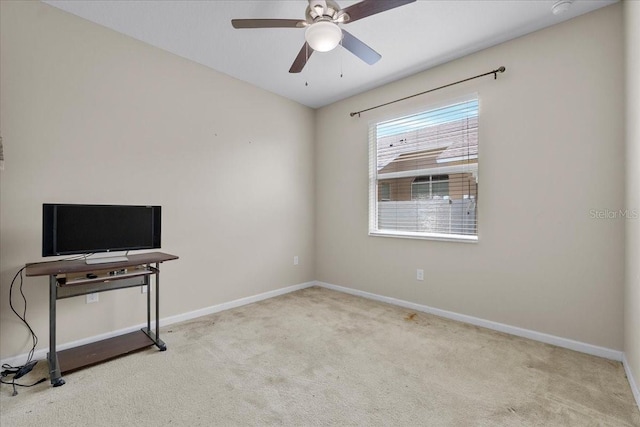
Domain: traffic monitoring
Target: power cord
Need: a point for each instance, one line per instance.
(19, 371)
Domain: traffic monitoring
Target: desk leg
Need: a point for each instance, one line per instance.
(147, 281)
(154, 336)
(52, 357)
(163, 347)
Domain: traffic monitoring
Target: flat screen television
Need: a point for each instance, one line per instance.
(69, 229)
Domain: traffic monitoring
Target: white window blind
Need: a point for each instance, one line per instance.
(423, 174)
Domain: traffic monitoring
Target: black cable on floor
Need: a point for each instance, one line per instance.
(17, 372)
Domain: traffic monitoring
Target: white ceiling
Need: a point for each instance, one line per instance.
(410, 38)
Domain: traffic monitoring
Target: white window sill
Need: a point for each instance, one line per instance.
(424, 236)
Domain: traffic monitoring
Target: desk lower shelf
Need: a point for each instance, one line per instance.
(100, 351)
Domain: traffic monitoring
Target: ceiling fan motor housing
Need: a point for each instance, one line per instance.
(324, 10)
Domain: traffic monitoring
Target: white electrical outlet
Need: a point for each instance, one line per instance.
(144, 289)
(295, 260)
(92, 298)
(419, 274)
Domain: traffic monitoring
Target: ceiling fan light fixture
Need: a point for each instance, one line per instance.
(323, 36)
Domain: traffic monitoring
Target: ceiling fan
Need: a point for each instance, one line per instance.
(322, 30)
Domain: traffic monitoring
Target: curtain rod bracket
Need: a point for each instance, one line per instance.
(495, 72)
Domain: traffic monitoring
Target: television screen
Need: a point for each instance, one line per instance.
(80, 229)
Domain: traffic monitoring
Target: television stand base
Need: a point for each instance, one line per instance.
(157, 341)
(66, 279)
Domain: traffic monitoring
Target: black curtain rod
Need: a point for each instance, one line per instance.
(495, 76)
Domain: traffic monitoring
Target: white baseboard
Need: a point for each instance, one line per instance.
(233, 304)
(513, 330)
(632, 381)
(42, 353)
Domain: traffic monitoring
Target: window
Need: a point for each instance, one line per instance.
(385, 191)
(424, 174)
(430, 187)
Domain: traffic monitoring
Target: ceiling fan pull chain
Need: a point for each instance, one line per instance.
(341, 57)
(306, 54)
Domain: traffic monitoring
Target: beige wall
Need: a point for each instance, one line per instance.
(551, 151)
(91, 116)
(632, 295)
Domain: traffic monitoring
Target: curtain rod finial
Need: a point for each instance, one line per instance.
(502, 69)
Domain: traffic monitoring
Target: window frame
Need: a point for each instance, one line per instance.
(373, 180)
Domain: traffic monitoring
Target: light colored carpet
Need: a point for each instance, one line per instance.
(320, 357)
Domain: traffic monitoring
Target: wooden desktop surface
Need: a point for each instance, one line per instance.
(53, 268)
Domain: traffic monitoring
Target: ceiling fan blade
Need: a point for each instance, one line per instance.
(359, 49)
(267, 23)
(371, 7)
(301, 59)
